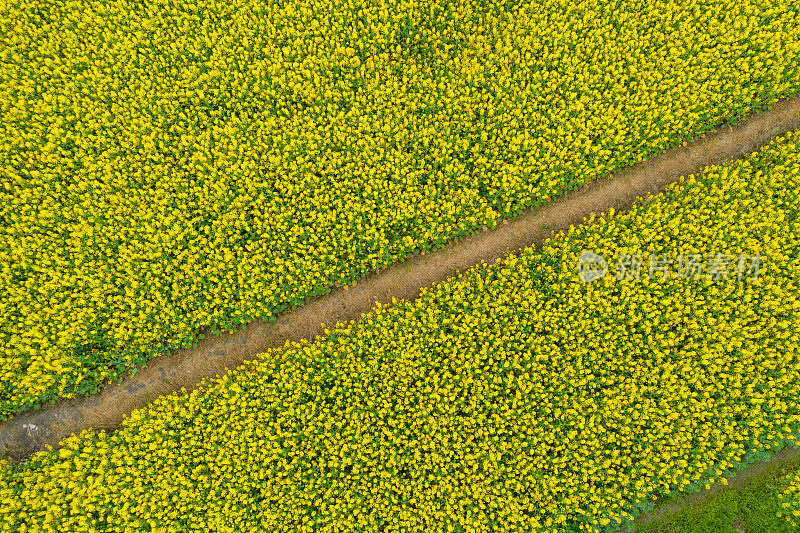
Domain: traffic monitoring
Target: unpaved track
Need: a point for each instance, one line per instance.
(31, 431)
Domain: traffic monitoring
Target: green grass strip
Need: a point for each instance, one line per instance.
(767, 501)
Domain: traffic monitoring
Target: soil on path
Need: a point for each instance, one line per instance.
(31, 431)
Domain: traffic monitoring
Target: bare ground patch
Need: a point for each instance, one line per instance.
(186, 368)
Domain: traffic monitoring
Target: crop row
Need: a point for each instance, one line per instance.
(171, 168)
(514, 397)
(789, 499)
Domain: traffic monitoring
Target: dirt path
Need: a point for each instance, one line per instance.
(30, 431)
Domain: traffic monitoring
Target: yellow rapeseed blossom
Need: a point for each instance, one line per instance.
(789, 499)
(515, 397)
(172, 166)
